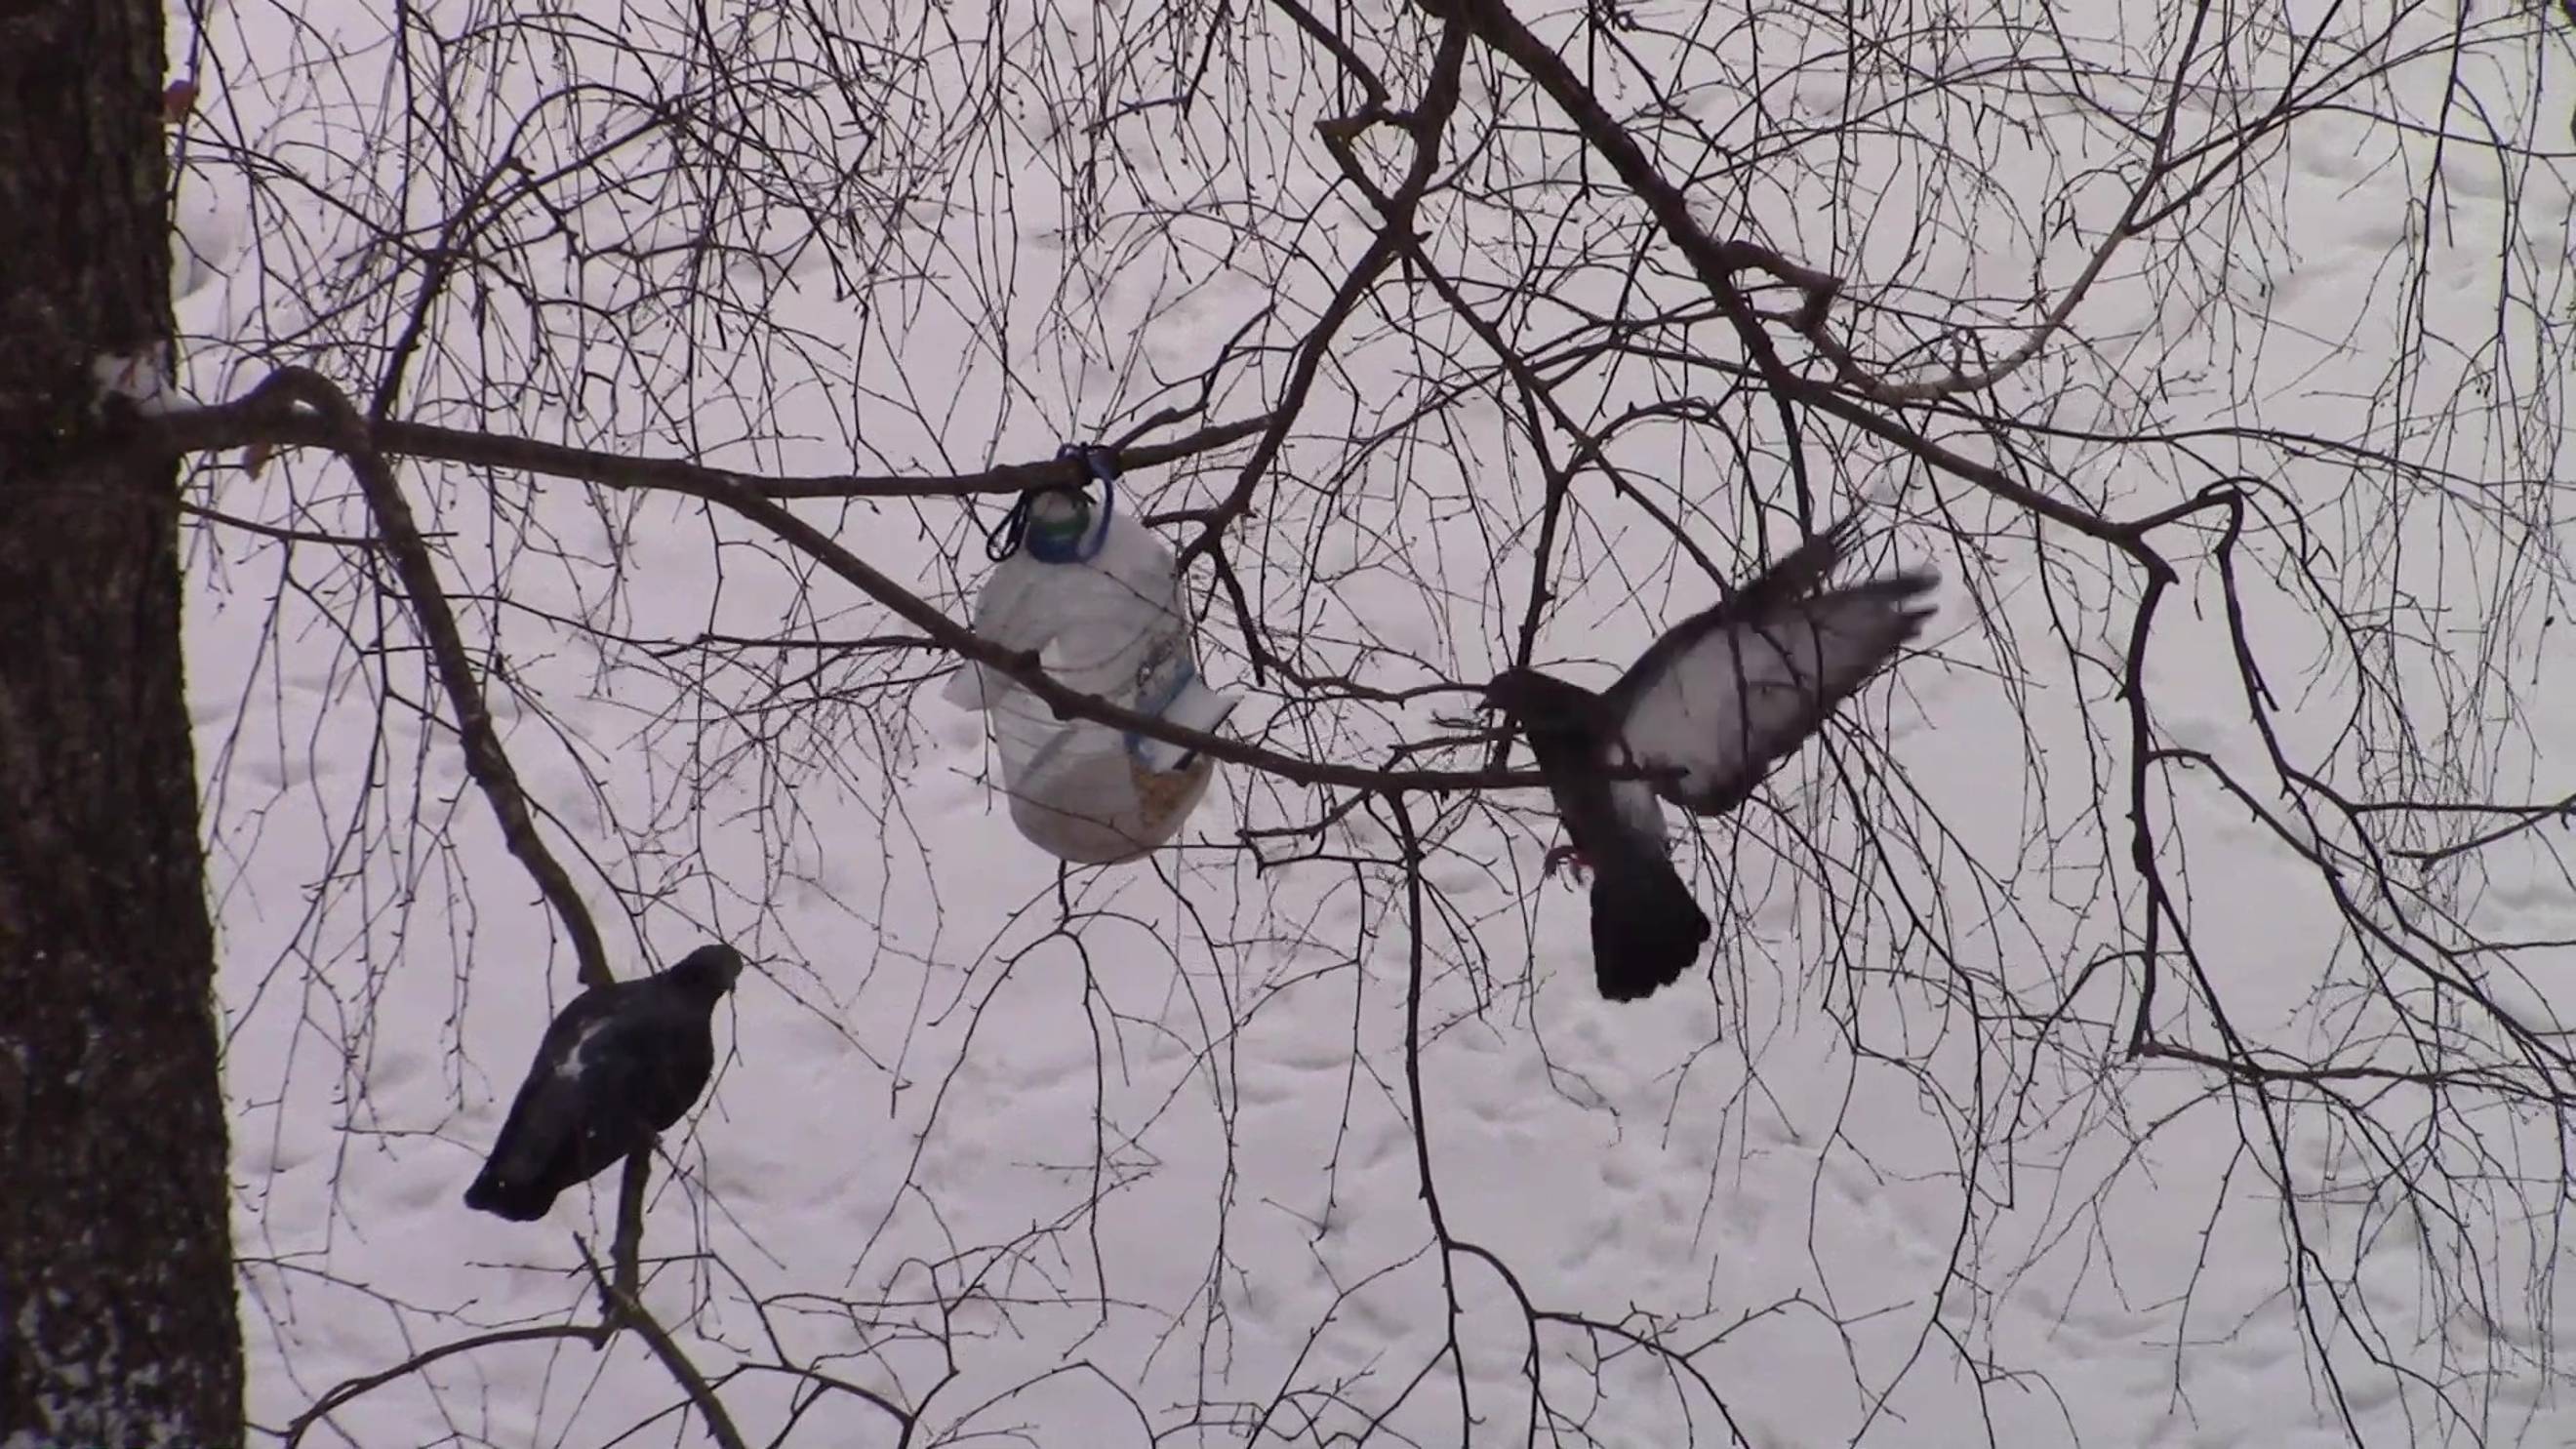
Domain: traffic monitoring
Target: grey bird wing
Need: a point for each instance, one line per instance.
(1730, 691)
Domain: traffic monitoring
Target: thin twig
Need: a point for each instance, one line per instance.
(342, 1394)
(345, 431)
(283, 535)
(1428, 124)
(1717, 261)
(631, 1313)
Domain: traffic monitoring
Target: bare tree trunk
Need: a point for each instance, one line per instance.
(117, 1321)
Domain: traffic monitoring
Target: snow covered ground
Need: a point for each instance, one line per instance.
(1131, 1155)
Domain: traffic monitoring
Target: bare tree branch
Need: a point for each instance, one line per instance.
(485, 760)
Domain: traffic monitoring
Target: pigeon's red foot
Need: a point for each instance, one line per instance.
(1569, 857)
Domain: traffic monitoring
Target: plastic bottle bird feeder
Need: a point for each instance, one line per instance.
(1095, 594)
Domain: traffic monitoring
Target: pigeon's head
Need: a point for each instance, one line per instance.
(708, 971)
(1537, 699)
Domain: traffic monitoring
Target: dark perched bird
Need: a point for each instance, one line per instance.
(1709, 709)
(617, 1068)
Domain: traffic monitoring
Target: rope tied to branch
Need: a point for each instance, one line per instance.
(1074, 536)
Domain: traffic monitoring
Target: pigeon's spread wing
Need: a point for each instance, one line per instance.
(1736, 693)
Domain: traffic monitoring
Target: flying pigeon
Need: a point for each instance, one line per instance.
(1708, 710)
(618, 1067)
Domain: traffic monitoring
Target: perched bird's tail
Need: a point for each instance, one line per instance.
(1646, 929)
(520, 1204)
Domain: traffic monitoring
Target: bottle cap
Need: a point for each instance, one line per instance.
(1058, 518)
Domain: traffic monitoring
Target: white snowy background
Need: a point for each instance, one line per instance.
(1130, 1155)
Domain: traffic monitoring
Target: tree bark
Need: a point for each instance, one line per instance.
(117, 1318)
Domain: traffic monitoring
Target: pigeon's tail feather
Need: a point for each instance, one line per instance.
(1646, 929)
(519, 1202)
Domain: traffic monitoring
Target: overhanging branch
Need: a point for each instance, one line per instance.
(268, 415)
(242, 423)
(345, 431)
